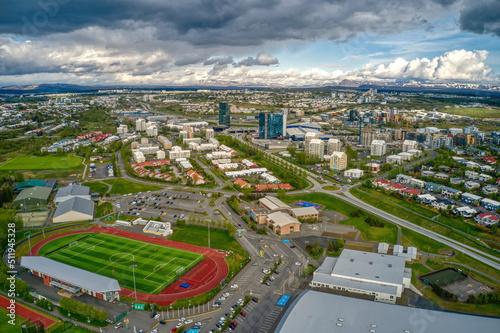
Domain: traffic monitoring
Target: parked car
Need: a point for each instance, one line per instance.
(119, 325)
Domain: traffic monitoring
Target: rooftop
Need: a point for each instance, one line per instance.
(273, 203)
(77, 204)
(76, 276)
(314, 311)
(281, 219)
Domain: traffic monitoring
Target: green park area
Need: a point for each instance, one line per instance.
(96, 186)
(122, 186)
(157, 266)
(385, 232)
(490, 112)
(49, 162)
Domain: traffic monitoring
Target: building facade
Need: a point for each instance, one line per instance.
(224, 114)
(270, 125)
(338, 161)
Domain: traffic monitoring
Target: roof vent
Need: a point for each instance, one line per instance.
(352, 260)
(378, 277)
(372, 330)
(356, 273)
(370, 263)
(341, 319)
(339, 324)
(407, 331)
(390, 265)
(373, 325)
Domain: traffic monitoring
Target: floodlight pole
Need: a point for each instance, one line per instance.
(133, 273)
(29, 240)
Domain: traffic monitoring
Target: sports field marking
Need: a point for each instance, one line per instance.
(111, 263)
(111, 256)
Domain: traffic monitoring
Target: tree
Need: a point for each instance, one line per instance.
(340, 243)
(281, 194)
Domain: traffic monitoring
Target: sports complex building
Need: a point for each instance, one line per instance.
(314, 311)
(380, 275)
(58, 275)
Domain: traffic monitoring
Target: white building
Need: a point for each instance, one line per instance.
(333, 145)
(140, 124)
(380, 275)
(316, 148)
(138, 156)
(378, 148)
(122, 129)
(158, 228)
(353, 173)
(406, 156)
(307, 140)
(394, 159)
(178, 152)
(409, 144)
(338, 161)
(152, 130)
(209, 134)
(160, 154)
(167, 144)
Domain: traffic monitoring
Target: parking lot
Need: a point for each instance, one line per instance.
(169, 205)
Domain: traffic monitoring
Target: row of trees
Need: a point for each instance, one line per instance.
(82, 309)
(492, 298)
(314, 249)
(334, 246)
(374, 222)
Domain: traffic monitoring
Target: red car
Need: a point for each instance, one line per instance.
(234, 323)
(243, 314)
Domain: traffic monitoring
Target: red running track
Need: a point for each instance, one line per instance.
(26, 313)
(203, 277)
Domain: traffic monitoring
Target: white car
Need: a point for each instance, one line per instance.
(222, 298)
(226, 295)
(189, 321)
(179, 325)
(182, 319)
(157, 316)
(298, 263)
(198, 323)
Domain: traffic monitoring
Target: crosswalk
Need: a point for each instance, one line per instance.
(270, 319)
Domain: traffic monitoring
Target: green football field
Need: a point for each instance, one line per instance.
(42, 163)
(111, 256)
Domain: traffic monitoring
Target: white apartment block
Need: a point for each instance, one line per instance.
(316, 148)
(209, 134)
(140, 124)
(178, 152)
(338, 161)
(378, 148)
(333, 145)
(409, 144)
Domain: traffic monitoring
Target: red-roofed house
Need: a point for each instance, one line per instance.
(261, 187)
(196, 177)
(286, 187)
(397, 188)
(486, 219)
(490, 160)
(273, 187)
(410, 192)
(383, 183)
(241, 183)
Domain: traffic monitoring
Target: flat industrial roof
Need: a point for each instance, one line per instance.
(357, 265)
(273, 203)
(304, 211)
(76, 276)
(314, 311)
(282, 219)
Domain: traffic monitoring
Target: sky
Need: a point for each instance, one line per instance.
(258, 42)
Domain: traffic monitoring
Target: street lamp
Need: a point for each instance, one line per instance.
(133, 273)
(29, 240)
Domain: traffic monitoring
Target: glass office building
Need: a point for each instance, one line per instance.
(270, 126)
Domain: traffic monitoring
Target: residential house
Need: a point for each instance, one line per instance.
(383, 183)
(426, 198)
(427, 173)
(397, 188)
(471, 165)
(394, 159)
(403, 179)
(456, 180)
(486, 168)
(470, 198)
(470, 185)
(241, 183)
(441, 176)
(490, 160)
(486, 220)
(196, 177)
(443, 204)
(465, 211)
(409, 192)
(489, 189)
(484, 177)
(353, 173)
(417, 182)
(490, 204)
(471, 174)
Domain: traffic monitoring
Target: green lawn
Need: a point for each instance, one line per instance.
(122, 186)
(5, 327)
(111, 256)
(103, 208)
(219, 239)
(491, 112)
(97, 187)
(426, 244)
(42, 163)
(386, 234)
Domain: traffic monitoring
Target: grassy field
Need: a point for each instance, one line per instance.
(386, 234)
(219, 239)
(97, 187)
(103, 208)
(490, 112)
(122, 186)
(5, 327)
(111, 256)
(42, 163)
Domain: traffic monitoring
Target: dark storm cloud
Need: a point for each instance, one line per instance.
(217, 22)
(481, 17)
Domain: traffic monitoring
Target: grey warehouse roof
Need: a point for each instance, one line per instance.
(366, 265)
(76, 276)
(72, 190)
(77, 204)
(314, 311)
